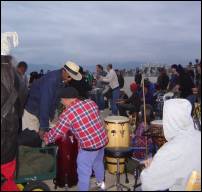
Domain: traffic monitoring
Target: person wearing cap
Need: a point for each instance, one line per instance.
(42, 100)
(83, 119)
(132, 104)
(163, 80)
(175, 160)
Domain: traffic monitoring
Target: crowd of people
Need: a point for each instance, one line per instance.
(32, 105)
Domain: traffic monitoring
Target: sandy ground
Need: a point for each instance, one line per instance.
(110, 180)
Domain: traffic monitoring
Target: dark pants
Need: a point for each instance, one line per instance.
(20, 126)
(123, 108)
(115, 97)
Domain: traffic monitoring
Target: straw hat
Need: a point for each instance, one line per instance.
(73, 70)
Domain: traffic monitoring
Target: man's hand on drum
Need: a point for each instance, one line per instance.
(44, 139)
(41, 135)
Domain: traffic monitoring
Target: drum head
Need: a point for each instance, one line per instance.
(157, 122)
(116, 119)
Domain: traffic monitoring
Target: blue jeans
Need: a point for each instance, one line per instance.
(115, 97)
(86, 162)
(101, 101)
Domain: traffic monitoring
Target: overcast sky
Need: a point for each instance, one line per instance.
(104, 32)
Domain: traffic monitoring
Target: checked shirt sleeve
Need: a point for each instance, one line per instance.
(59, 130)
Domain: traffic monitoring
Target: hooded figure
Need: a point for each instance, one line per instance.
(175, 160)
(13, 95)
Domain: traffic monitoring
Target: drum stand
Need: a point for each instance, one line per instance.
(137, 173)
(126, 173)
(117, 184)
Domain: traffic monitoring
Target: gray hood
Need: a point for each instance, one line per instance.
(177, 118)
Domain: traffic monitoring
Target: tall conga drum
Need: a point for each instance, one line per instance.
(119, 136)
(66, 161)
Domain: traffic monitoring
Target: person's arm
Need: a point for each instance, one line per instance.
(58, 131)
(47, 99)
(108, 78)
(130, 99)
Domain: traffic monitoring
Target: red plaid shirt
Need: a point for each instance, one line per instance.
(83, 119)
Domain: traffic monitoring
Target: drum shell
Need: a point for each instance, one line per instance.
(112, 166)
(118, 134)
(66, 161)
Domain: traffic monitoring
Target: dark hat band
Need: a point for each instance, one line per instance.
(70, 70)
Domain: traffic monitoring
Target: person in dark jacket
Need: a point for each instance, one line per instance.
(132, 104)
(163, 80)
(190, 71)
(43, 99)
(138, 78)
(185, 82)
(173, 84)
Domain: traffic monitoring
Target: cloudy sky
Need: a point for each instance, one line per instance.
(104, 32)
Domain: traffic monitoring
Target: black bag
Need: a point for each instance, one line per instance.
(29, 138)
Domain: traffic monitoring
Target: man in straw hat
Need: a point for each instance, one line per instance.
(43, 98)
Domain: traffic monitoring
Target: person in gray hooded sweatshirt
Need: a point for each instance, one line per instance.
(172, 165)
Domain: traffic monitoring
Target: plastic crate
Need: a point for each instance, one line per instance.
(51, 150)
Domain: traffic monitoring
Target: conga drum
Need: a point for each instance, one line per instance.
(119, 136)
(157, 134)
(66, 161)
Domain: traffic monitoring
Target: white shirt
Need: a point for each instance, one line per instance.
(174, 162)
(112, 79)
